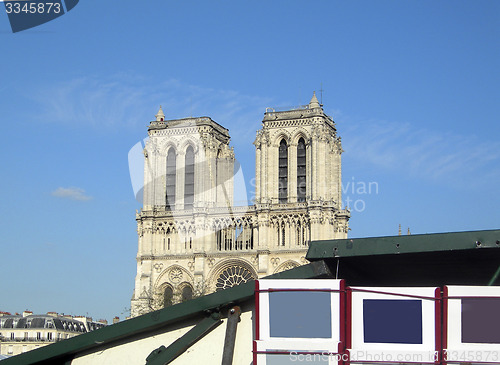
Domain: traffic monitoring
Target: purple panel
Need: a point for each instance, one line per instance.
(481, 320)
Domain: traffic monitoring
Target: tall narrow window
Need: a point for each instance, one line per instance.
(171, 171)
(283, 172)
(187, 293)
(301, 171)
(189, 179)
(219, 240)
(168, 296)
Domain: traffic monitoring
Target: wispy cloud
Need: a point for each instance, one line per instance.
(88, 101)
(422, 153)
(126, 100)
(71, 193)
(130, 100)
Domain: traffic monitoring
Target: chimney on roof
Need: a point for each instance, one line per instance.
(116, 320)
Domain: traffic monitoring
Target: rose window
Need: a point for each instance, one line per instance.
(232, 276)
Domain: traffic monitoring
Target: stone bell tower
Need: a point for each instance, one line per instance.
(193, 238)
(298, 177)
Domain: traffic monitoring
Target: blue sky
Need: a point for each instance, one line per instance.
(412, 85)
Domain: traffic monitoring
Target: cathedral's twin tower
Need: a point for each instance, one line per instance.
(194, 239)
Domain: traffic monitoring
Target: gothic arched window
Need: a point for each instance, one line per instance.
(168, 297)
(283, 172)
(232, 276)
(301, 171)
(189, 179)
(187, 293)
(171, 175)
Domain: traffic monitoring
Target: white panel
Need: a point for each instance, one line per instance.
(456, 350)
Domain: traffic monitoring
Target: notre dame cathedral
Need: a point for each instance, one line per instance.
(194, 239)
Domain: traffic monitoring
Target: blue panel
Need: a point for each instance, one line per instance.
(392, 321)
(300, 314)
(481, 320)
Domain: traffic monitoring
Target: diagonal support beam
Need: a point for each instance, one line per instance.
(165, 355)
(233, 317)
(494, 277)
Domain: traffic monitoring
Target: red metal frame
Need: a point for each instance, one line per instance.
(438, 324)
(348, 324)
(257, 321)
(342, 321)
(444, 324)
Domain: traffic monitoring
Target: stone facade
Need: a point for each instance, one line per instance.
(194, 238)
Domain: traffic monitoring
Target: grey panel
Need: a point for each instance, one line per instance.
(275, 359)
(305, 314)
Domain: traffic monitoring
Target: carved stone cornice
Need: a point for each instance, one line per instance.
(199, 122)
(288, 251)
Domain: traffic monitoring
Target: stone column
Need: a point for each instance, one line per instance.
(264, 175)
(148, 189)
(179, 179)
(273, 174)
(292, 173)
(258, 163)
(263, 262)
(314, 168)
(322, 170)
(160, 179)
(309, 168)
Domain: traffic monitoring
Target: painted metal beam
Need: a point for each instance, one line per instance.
(328, 249)
(165, 355)
(494, 277)
(233, 317)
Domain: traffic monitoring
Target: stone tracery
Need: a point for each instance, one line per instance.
(217, 244)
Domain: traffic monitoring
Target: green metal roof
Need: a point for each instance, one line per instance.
(403, 244)
(458, 258)
(420, 258)
(63, 352)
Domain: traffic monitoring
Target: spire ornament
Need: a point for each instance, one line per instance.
(160, 116)
(314, 103)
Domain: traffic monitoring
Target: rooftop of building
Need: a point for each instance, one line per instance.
(313, 109)
(162, 123)
(49, 320)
